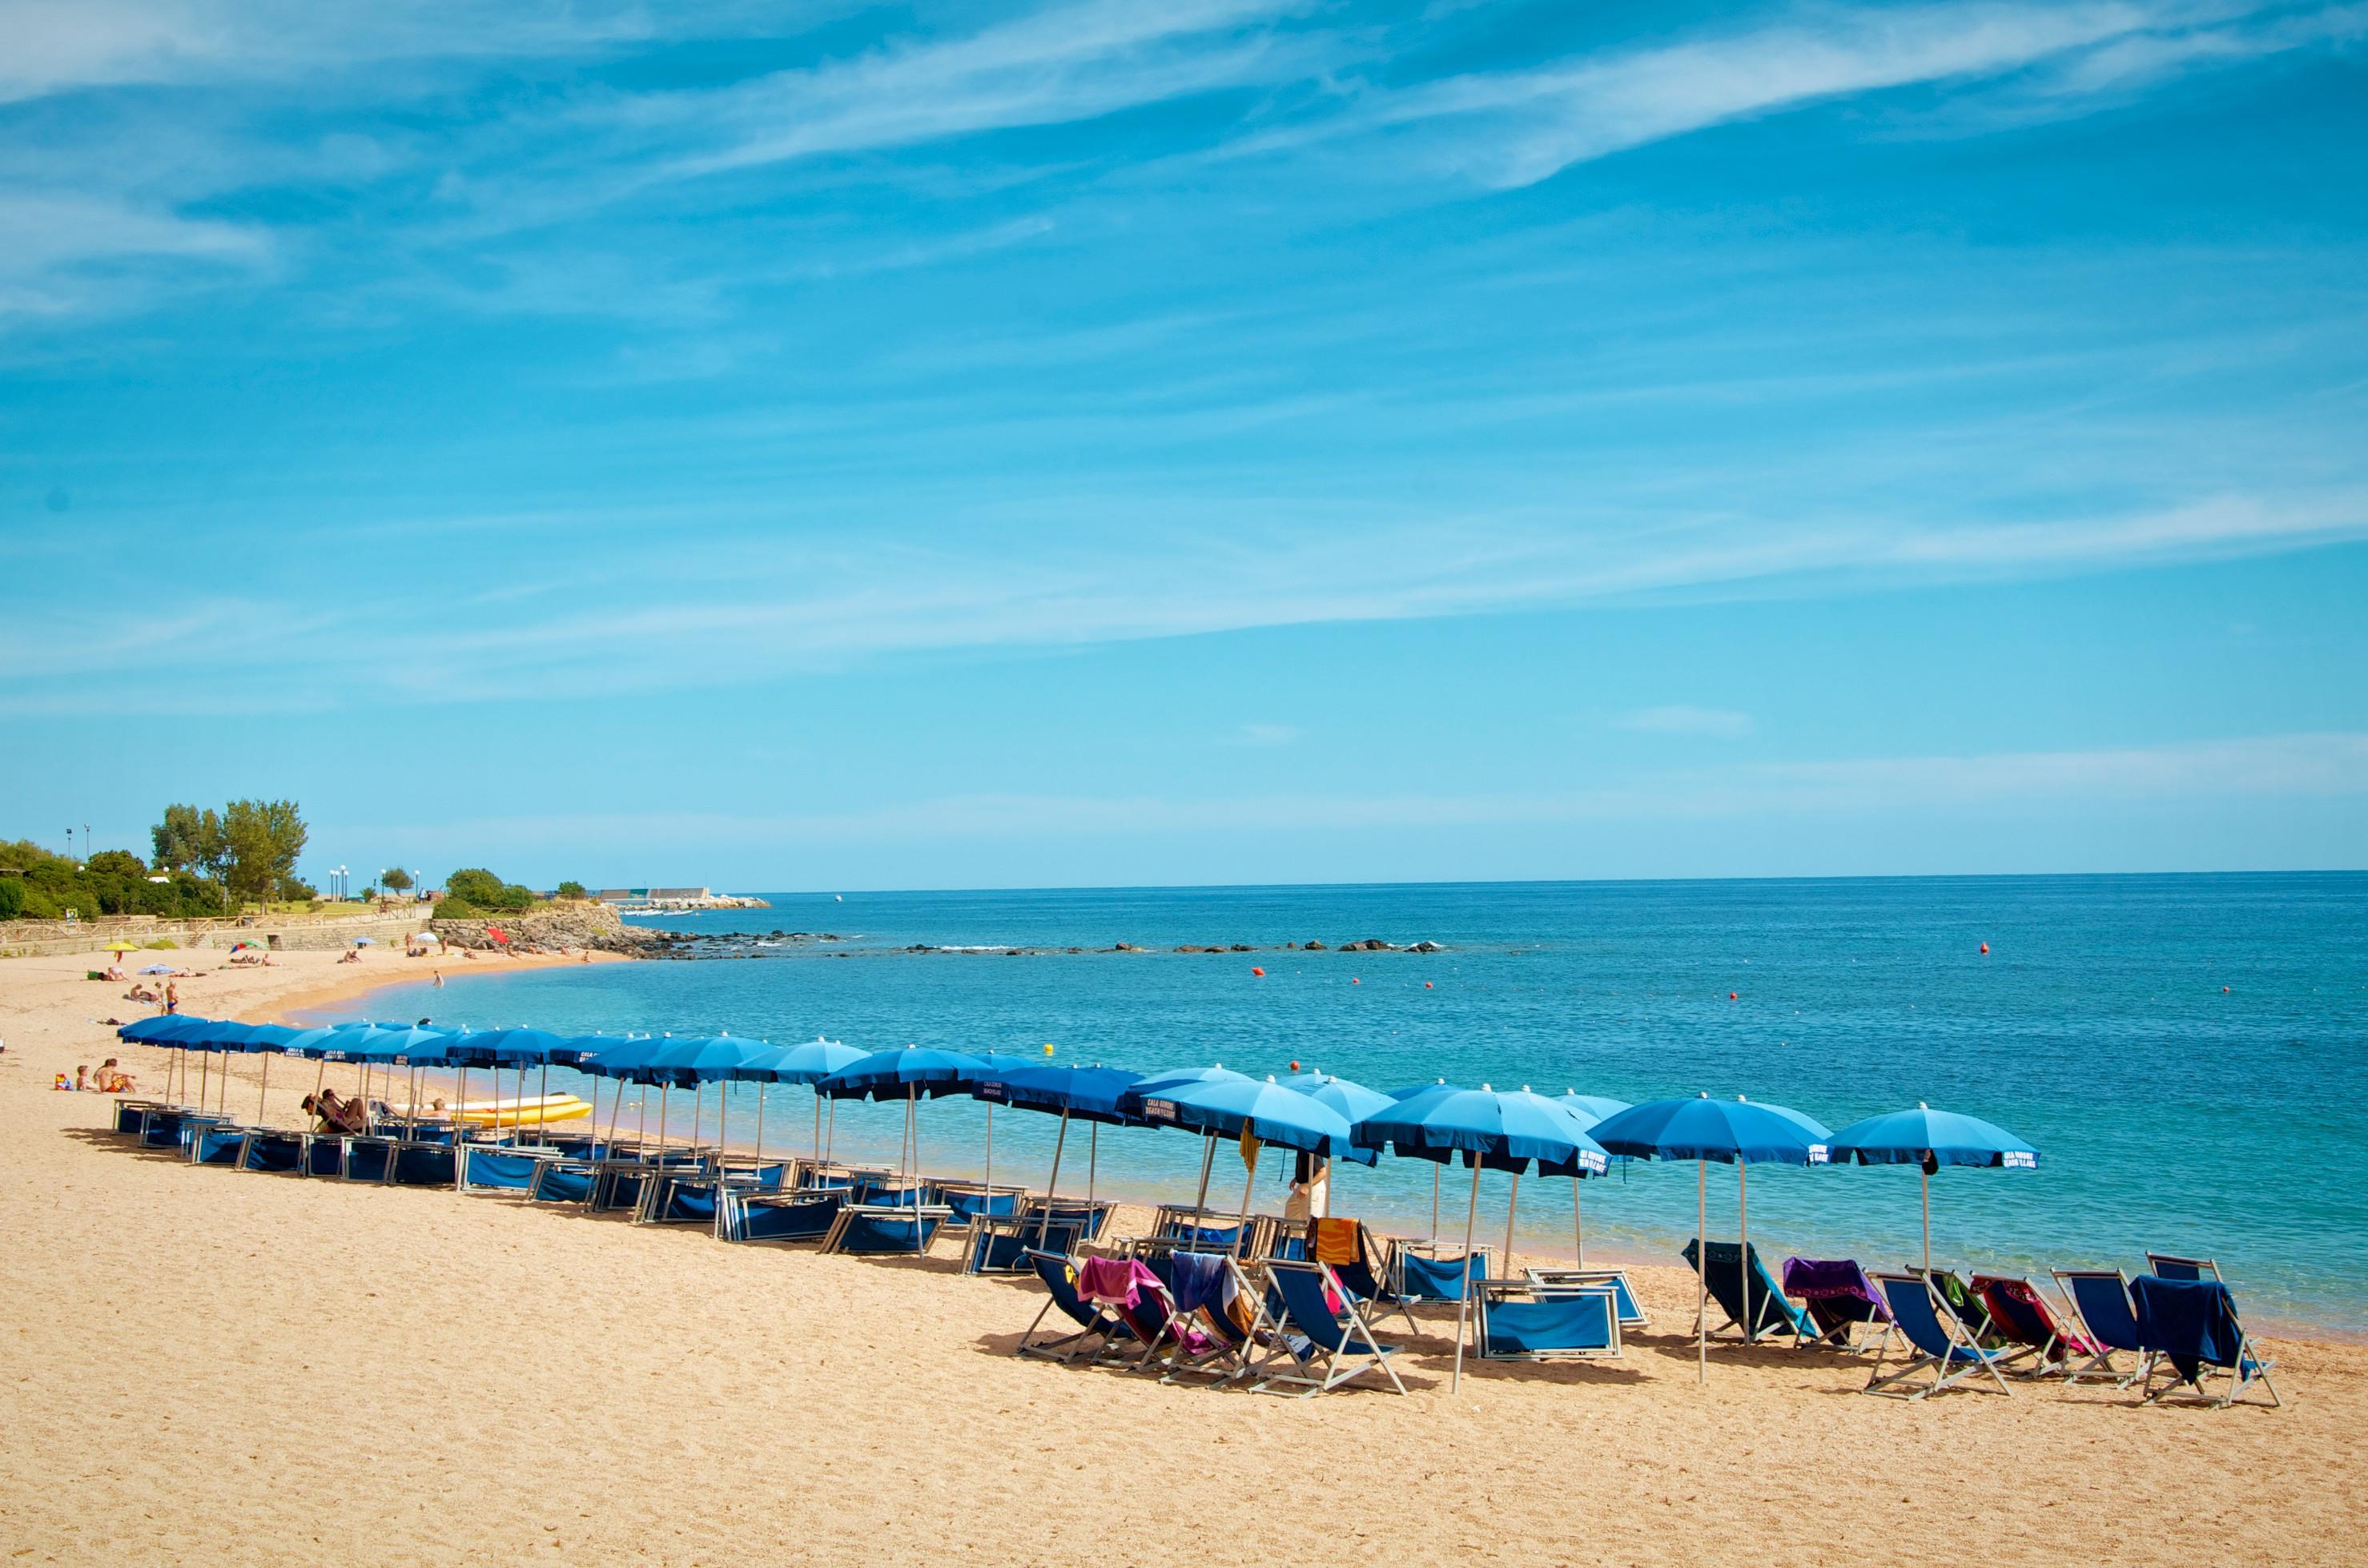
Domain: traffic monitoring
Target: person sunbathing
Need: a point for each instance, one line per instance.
(113, 1080)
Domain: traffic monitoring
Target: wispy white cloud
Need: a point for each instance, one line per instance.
(1266, 735)
(1683, 720)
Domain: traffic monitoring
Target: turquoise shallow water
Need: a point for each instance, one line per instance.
(2184, 1051)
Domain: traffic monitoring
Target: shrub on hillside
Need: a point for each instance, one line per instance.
(457, 909)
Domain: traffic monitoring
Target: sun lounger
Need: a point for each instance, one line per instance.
(618, 1184)
(213, 1141)
(1770, 1312)
(1001, 1245)
(2167, 1266)
(1632, 1311)
(369, 1158)
(2021, 1315)
(891, 1230)
(1059, 1274)
(1837, 1296)
(160, 1127)
(1091, 1219)
(130, 1114)
(280, 1152)
(1417, 1273)
(562, 1180)
(501, 1171)
(1936, 1338)
(2190, 1327)
(1520, 1320)
(779, 1217)
(2101, 1301)
(1323, 1336)
(423, 1165)
(692, 1199)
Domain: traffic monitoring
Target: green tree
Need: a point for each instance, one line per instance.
(261, 840)
(516, 899)
(475, 884)
(12, 897)
(190, 840)
(116, 863)
(396, 880)
(571, 890)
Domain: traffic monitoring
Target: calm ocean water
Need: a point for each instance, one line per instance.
(2185, 1051)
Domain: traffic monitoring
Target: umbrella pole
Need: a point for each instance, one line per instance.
(913, 1134)
(989, 1183)
(1464, 1302)
(760, 1130)
(265, 1093)
(1242, 1231)
(1924, 1181)
(1053, 1182)
(1093, 1157)
(205, 1077)
(1702, 1272)
(1201, 1204)
(615, 1110)
(319, 1073)
(1512, 1201)
(831, 1142)
(665, 1094)
(1434, 1207)
(1743, 1260)
(1578, 1222)
(543, 1092)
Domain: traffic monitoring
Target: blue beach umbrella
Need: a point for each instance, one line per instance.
(1094, 1095)
(1739, 1132)
(694, 1063)
(908, 1074)
(1256, 1112)
(1509, 1131)
(808, 1064)
(165, 1030)
(1407, 1093)
(1152, 1098)
(1590, 1109)
(1929, 1139)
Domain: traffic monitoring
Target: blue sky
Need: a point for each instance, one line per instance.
(945, 446)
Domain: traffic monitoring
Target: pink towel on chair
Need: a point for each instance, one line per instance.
(1113, 1281)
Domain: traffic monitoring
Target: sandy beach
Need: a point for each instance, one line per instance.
(210, 1366)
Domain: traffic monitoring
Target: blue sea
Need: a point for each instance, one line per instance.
(2185, 1051)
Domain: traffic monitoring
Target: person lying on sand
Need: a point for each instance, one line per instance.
(352, 955)
(141, 994)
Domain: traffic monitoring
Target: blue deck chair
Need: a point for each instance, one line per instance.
(682, 1200)
(1773, 1311)
(280, 1152)
(561, 1181)
(1623, 1294)
(876, 1229)
(370, 1159)
(1416, 1275)
(217, 1143)
(1348, 1246)
(128, 1114)
(492, 1170)
(423, 1165)
(1001, 1245)
(1059, 1274)
(1938, 1340)
(779, 1217)
(1091, 1219)
(618, 1186)
(2100, 1299)
(2190, 1327)
(1218, 1298)
(160, 1127)
(1520, 1320)
(324, 1155)
(1321, 1345)
(2165, 1266)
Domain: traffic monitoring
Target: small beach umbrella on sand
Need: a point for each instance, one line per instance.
(906, 1075)
(1739, 1132)
(1929, 1139)
(1509, 1131)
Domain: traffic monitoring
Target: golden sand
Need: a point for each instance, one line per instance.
(210, 1366)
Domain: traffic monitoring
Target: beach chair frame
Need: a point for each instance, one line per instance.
(2049, 1356)
(736, 1203)
(1722, 1277)
(1632, 1305)
(1486, 1294)
(1960, 1357)
(1061, 1237)
(928, 1218)
(1348, 1325)
(1228, 1360)
(1404, 1247)
(2251, 1367)
(2171, 1265)
(1093, 1319)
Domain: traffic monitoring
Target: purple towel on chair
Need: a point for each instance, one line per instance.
(1836, 1292)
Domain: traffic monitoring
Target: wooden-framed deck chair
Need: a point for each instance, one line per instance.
(1937, 1340)
(1418, 1272)
(1059, 1274)
(1838, 1296)
(885, 1230)
(781, 1216)
(2169, 1266)
(1520, 1320)
(1346, 1247)
(1724, 1265)
(2101, 1302)
(1214, 1295)
(2190, 1327)
(2024, 1317)
(1323, 1336)
(1631, 1310)
(1001, 1245)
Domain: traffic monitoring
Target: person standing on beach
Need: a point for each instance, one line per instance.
(1311, 1191)
(172, 997)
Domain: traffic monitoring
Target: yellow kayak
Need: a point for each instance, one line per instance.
(530, 1112)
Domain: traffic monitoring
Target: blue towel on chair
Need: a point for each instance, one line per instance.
(1198, 1278)
(2192, 1322)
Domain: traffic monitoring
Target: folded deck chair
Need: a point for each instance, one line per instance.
(619, 1184)
(2024, 1317)
(1520, 1320)
(1091, 1219)
(370, 1159)
(2165, 1266)
(1346, 1247)
(128, 1114)
(160, 1127)
(566, 1181)
(685, 1200)
(1937, 1339)
(1632, 1311)
(1837, 1296)
(423, 1165)
(281, 1153)
(1417, 1275)
(1001, 1245)
(1059, 1274)
(1770, 1311)
(1215, 1296)
(495, 1170)
(779, 1217)
(2190, 1327)
(218, 1143)
(1323, 1336)
(890, 1230)
(2101, 1302)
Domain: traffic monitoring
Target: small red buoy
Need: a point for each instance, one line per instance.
(1294, 1066)
(1259, 972)
(1985, 946)
(2223, 991)
(1425, 986)
(1730, 995)
(1354, 981)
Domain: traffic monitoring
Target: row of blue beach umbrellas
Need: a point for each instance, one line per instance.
(1514, 1131)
